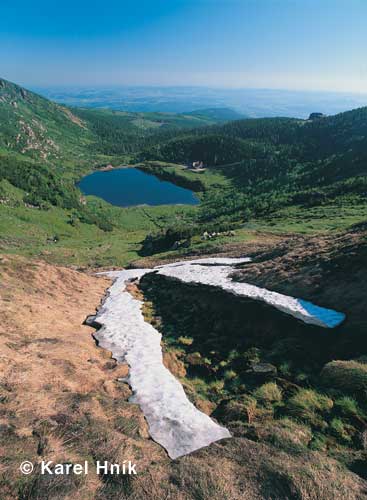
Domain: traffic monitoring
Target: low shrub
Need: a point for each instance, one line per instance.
(308, 404)
(340, 430)
(347, 407)
(347, 376)
(242, 409)
(268, 393)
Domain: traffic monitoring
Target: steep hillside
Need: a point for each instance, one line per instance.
(264, 375)
(41, 129)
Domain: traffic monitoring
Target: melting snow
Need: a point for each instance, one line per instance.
(218, 276)
(173, 421)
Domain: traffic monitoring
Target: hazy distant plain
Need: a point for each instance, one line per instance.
(251, 102)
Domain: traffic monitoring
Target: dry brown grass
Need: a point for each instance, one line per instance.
(59, 400)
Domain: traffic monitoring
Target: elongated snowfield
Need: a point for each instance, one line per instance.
(173, 421)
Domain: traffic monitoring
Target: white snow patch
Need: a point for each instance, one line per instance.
(210, 261)
(218, 276)
(173, 421)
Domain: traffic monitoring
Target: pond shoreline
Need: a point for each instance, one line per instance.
(162, 172)
(130, 186)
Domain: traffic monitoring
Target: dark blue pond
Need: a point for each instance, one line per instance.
(127, 187)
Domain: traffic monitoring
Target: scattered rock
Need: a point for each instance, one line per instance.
(121, 370)
(263, 369)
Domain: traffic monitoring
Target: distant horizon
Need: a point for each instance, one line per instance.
(112, 85)
(106, 85)
(250, 102)
(172, 86)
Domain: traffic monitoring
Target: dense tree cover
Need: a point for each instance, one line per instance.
(278, 161)
(337, 134)
(270, 130)
(119, 132)
(114, 133)
(210, 149)
(306, 139)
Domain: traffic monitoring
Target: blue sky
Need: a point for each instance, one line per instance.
(290, 44)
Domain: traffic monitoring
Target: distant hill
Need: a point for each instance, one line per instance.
(332, 134)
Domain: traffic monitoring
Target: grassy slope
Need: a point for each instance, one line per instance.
(31, 231)
(26, 230)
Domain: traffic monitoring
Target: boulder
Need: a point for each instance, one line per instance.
(263, 369)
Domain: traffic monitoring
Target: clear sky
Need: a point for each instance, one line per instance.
(290, 44)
